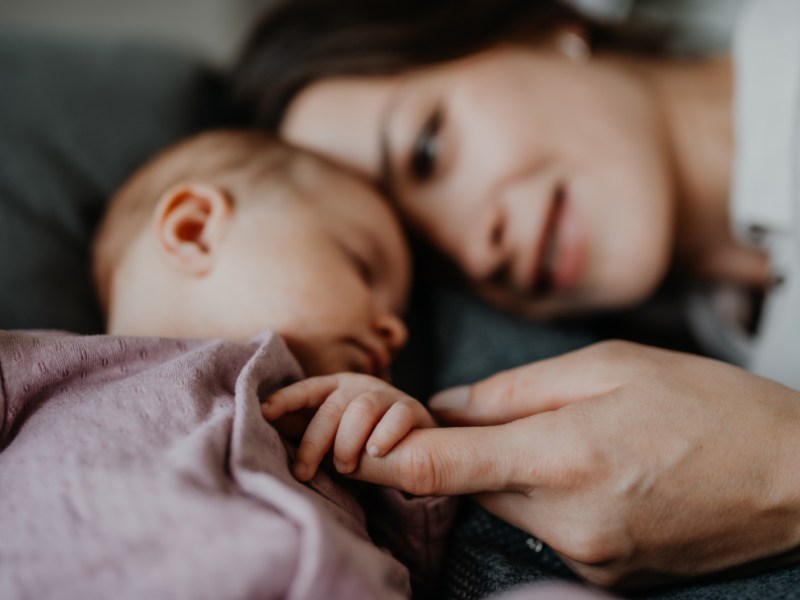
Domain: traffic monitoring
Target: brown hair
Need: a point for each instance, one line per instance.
(298, 42)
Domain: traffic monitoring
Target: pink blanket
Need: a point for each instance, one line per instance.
(141, 468)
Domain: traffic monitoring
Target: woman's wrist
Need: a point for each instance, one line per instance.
(773, 529)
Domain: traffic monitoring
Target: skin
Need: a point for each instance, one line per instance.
(330, 276)
(638, 466)
(622, 471)
(352, 413)
(292, 256)
(480, 154)
(632, 488)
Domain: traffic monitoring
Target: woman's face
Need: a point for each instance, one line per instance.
(545, 179)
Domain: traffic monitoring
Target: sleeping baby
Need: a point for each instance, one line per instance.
(140, 463)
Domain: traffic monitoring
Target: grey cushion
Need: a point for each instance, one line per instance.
(76, 116)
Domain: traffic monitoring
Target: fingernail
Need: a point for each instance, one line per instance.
(342, 467)
(300, 470)
(453, 399)
(373, 450)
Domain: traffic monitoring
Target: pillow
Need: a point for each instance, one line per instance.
(76, 117)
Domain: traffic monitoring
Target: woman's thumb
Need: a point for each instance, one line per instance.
(453, 460)
(491, 401)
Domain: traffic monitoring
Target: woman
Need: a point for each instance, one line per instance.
(565, 170)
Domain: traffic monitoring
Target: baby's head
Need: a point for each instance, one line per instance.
(230, 233)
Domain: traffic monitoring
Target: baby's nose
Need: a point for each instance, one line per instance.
(392, 331)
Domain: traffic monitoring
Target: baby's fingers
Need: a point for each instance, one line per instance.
(357, 423)
(399, 420)
(309, 393)
(319, 436)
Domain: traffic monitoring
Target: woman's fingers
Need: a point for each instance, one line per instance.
(631, 463)
(464, 460)
(538, 387)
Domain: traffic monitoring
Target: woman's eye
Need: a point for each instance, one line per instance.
(426, 148)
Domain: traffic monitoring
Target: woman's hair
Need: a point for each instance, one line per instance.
(298, 42)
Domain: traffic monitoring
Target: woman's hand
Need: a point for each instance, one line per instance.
(636, 465)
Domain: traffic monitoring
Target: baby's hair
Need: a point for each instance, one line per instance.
(234, 160)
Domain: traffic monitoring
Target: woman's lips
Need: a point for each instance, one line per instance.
(569, 248)
(561, 249)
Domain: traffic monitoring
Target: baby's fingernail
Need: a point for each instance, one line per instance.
(300, 470)
(452, 399)
(373, 450)
(342, 466)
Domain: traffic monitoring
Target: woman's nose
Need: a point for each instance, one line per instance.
(484, 247)
(391, 330)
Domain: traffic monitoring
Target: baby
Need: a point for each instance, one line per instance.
(140, 464)
(233, 233)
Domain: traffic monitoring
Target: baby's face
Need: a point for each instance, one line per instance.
(326, 266)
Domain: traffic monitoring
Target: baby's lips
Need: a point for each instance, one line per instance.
(378, 358)
(384, 357)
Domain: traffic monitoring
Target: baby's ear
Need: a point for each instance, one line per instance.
(191, 221)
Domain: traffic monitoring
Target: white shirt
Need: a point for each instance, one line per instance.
(765, 205)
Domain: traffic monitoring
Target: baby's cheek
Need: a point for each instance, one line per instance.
(307, 351)
(330, 357)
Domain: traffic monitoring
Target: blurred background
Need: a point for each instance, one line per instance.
(215, 28)
(211, 28)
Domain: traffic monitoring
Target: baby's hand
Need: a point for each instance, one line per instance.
(352, 411)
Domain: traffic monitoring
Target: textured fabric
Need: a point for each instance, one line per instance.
(552, 591)
(142, 468)
(487, 557)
